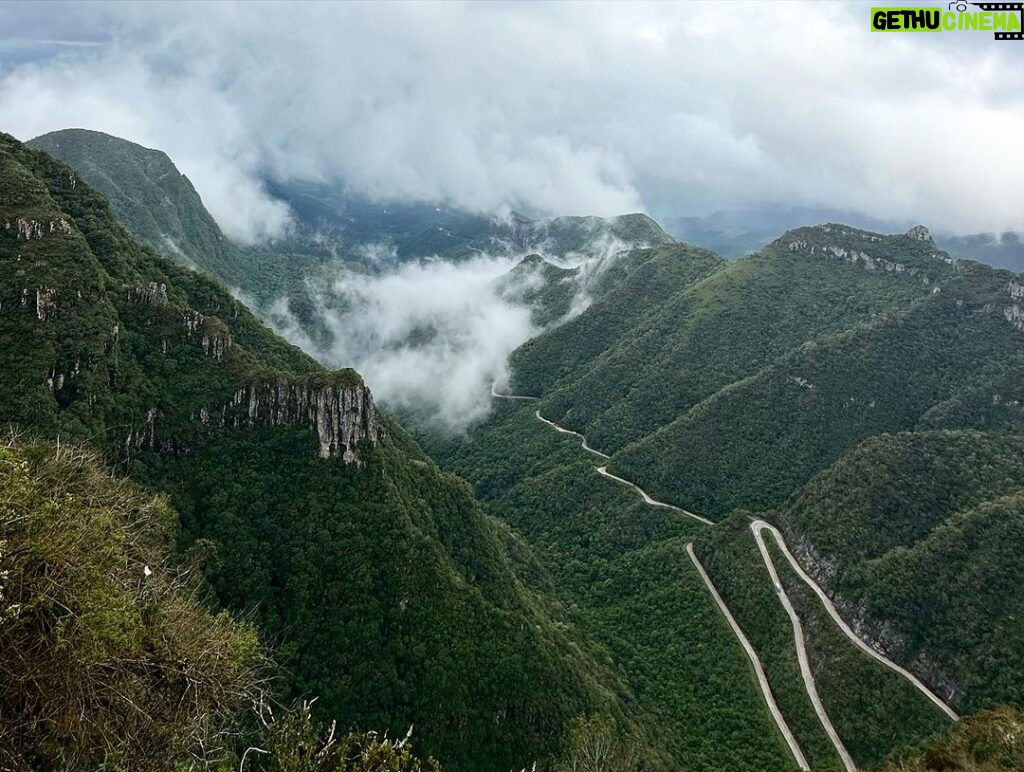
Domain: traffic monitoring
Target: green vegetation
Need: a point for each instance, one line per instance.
(991, 741)
(685, 324)
(547, 289)
(594, 745)
(731, 558)
(620, 569)
(873, 709)
(109, 660)
(922, 529)
(332, 231)
(859, 390)
(160, 208)
(390, 590)
(384, 586)
(737, 388)
(292, 742)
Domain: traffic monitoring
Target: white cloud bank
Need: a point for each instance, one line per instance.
(429, 337)
(562, 108)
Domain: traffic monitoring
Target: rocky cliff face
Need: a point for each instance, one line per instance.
(338, 407)
(871, 251)
(877, 633)
(1014, 312)
(341, 411)
(26, 228)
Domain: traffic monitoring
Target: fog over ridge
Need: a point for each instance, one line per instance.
(493, 106)
(431, 336)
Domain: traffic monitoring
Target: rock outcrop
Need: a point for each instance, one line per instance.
(153, 294)
(919, 233)
(1014, 312)
(26, 229)
(339, 407)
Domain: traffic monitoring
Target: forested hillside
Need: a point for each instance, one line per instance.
(158, 205)
(862, 392)
(292, 279)
(620, 567)
(387, 589)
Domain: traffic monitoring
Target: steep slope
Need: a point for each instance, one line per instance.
(631, 286)
(916, 534)
(620, 566)
(763, 436)
(110, 661)
(992, 741)
(730, 391)
(549, 290)
(391, 592)
(148, 194)
(158, 205)
(292, 279)
(680, 343)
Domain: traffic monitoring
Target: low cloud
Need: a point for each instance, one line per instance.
(429, 337)
(674, 108)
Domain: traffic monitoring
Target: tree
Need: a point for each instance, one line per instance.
(595, 745)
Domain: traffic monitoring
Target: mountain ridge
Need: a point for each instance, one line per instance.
(185, 390)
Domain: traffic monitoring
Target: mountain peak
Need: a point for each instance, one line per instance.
(919, 233)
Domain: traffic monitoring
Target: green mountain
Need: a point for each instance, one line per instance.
(147, 193)
(859, 390)
(291, 279)
(387, 589)
(351, 223)
(549, 290)
(620, 568)
(158, 205)
(914, 532)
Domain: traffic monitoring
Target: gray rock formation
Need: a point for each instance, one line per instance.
(341, 412)
(919, 233)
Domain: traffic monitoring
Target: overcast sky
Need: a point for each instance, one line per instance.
(555, 108)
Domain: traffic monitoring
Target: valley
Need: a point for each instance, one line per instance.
(510, 387)
(592, 545)
(757, 528)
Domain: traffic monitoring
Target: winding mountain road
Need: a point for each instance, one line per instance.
(801, 651)
(757, 527)
(602, 470)
(648, 500)
(583, 441)
(762, 679)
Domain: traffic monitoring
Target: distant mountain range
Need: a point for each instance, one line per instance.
(738, 232)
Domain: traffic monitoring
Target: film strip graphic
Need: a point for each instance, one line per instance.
(1018, 7)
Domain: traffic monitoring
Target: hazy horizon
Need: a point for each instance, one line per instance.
(553, 108)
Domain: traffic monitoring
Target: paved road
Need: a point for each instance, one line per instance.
(801, 650)
(647, 499)
(757, 527)
(563, 430)
(762, 680)
(760, 525)
(603, 470)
